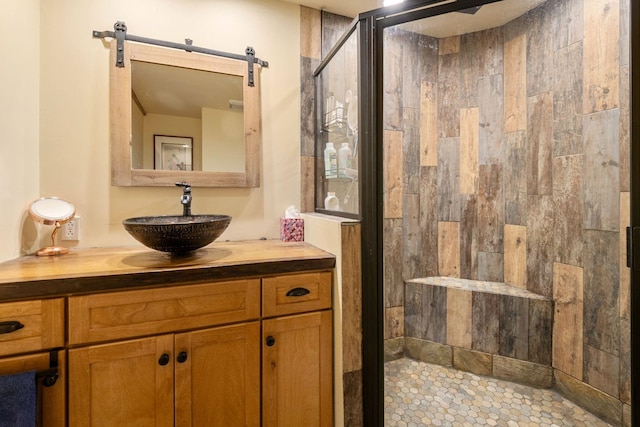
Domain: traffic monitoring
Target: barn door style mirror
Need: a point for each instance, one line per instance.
(183, 116)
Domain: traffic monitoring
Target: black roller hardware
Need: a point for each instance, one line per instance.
(49, 377)
(10, 326)
(298, 292)
(164, 359)
(270, 341)
(182, 357)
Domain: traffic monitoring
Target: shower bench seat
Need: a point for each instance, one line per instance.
(489, 328)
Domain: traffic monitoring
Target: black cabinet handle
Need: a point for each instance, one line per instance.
(182, 357)
(10, 326)
(298, 292)
(270, 341)
(164, 359)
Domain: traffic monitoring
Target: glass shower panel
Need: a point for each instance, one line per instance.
(337, 132)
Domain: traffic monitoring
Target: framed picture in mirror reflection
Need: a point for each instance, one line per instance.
(173, 152)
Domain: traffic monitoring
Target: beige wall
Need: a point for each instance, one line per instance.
(74, 114)
(19, 107)
(223, 140)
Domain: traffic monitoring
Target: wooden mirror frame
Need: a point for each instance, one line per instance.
(122, 173)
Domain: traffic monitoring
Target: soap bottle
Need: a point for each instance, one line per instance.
(344, 159)
(330, 161)
(331, 202)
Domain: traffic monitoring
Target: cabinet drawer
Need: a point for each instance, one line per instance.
(38, 325)
(296, 293)
(127, 314)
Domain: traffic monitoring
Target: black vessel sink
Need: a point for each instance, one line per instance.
(178, 234)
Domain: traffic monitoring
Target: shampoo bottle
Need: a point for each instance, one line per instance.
(331, 202)
(344, 159)
(330, 161)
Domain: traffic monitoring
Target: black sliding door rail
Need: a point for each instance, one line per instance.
(120, 34)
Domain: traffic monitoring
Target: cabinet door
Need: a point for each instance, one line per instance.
(122, 384)
(297, 370)
(51, 400)
(218, 377)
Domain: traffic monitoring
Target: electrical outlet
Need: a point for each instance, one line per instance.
(71, 229)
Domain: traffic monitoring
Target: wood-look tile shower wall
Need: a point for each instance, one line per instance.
(507, 159)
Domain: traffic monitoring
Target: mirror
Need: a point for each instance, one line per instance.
(52, 211)
(179, 116)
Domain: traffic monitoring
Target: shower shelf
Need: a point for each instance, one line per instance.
(335, 121)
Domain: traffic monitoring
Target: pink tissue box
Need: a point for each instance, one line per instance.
(292, 229)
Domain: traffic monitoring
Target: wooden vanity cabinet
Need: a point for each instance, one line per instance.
(240, 334)
(31, 339)
(209, 354)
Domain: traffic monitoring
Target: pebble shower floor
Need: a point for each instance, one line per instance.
(422, 394)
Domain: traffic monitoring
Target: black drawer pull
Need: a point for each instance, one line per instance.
(270, 341)
(11, 326)
(182, 357)
(298, 292)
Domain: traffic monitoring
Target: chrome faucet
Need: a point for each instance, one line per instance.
(185, 200)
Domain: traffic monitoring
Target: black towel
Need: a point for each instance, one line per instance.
(18, 397)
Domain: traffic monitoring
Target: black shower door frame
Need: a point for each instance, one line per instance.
(372, 25)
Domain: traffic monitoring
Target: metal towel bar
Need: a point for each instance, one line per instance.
(49, 376)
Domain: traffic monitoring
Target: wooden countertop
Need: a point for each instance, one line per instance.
(102, 269)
